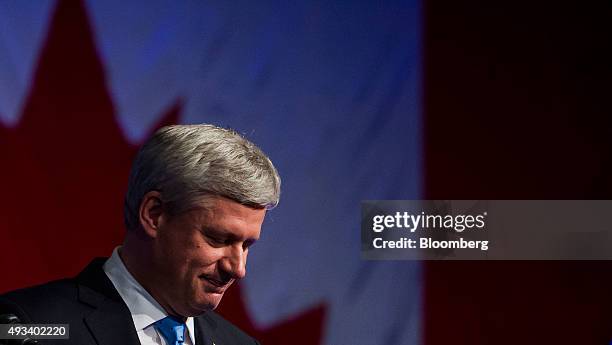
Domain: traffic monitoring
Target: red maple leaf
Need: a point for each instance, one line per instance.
(64, 169)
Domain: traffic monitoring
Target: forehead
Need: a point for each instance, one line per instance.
(229, 216)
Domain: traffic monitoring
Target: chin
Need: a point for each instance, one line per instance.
(213, 304)
(206, 304)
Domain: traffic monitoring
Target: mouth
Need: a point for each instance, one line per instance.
(216, 286)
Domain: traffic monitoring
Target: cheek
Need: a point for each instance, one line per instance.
(203, 257)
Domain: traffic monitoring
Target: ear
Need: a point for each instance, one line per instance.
(150, 213)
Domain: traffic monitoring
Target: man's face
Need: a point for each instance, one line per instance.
(200, 253)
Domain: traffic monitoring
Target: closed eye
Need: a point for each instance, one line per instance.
(216, 241)
(247, 244)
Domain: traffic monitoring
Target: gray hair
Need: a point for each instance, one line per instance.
(187, 162)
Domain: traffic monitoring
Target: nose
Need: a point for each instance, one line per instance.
(234, 262)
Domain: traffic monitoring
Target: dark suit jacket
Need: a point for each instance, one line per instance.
(96, 313)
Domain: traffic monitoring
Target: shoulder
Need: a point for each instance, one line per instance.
(225, 331)
(37, 303)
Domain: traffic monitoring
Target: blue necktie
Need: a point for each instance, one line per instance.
(172, 329)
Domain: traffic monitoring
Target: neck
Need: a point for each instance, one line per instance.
(136, 254)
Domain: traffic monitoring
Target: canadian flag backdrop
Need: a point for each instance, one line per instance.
(352, 100)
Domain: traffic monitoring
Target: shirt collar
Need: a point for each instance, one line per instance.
(144, 308)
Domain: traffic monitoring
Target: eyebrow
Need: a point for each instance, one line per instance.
(227, 234)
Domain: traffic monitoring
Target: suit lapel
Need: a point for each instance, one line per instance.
(110, 322)
(204, 330)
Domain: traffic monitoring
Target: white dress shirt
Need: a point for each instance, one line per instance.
(144, 308)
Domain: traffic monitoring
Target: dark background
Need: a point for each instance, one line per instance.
(517, 106)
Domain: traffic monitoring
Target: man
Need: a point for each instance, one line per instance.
(196, 200)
